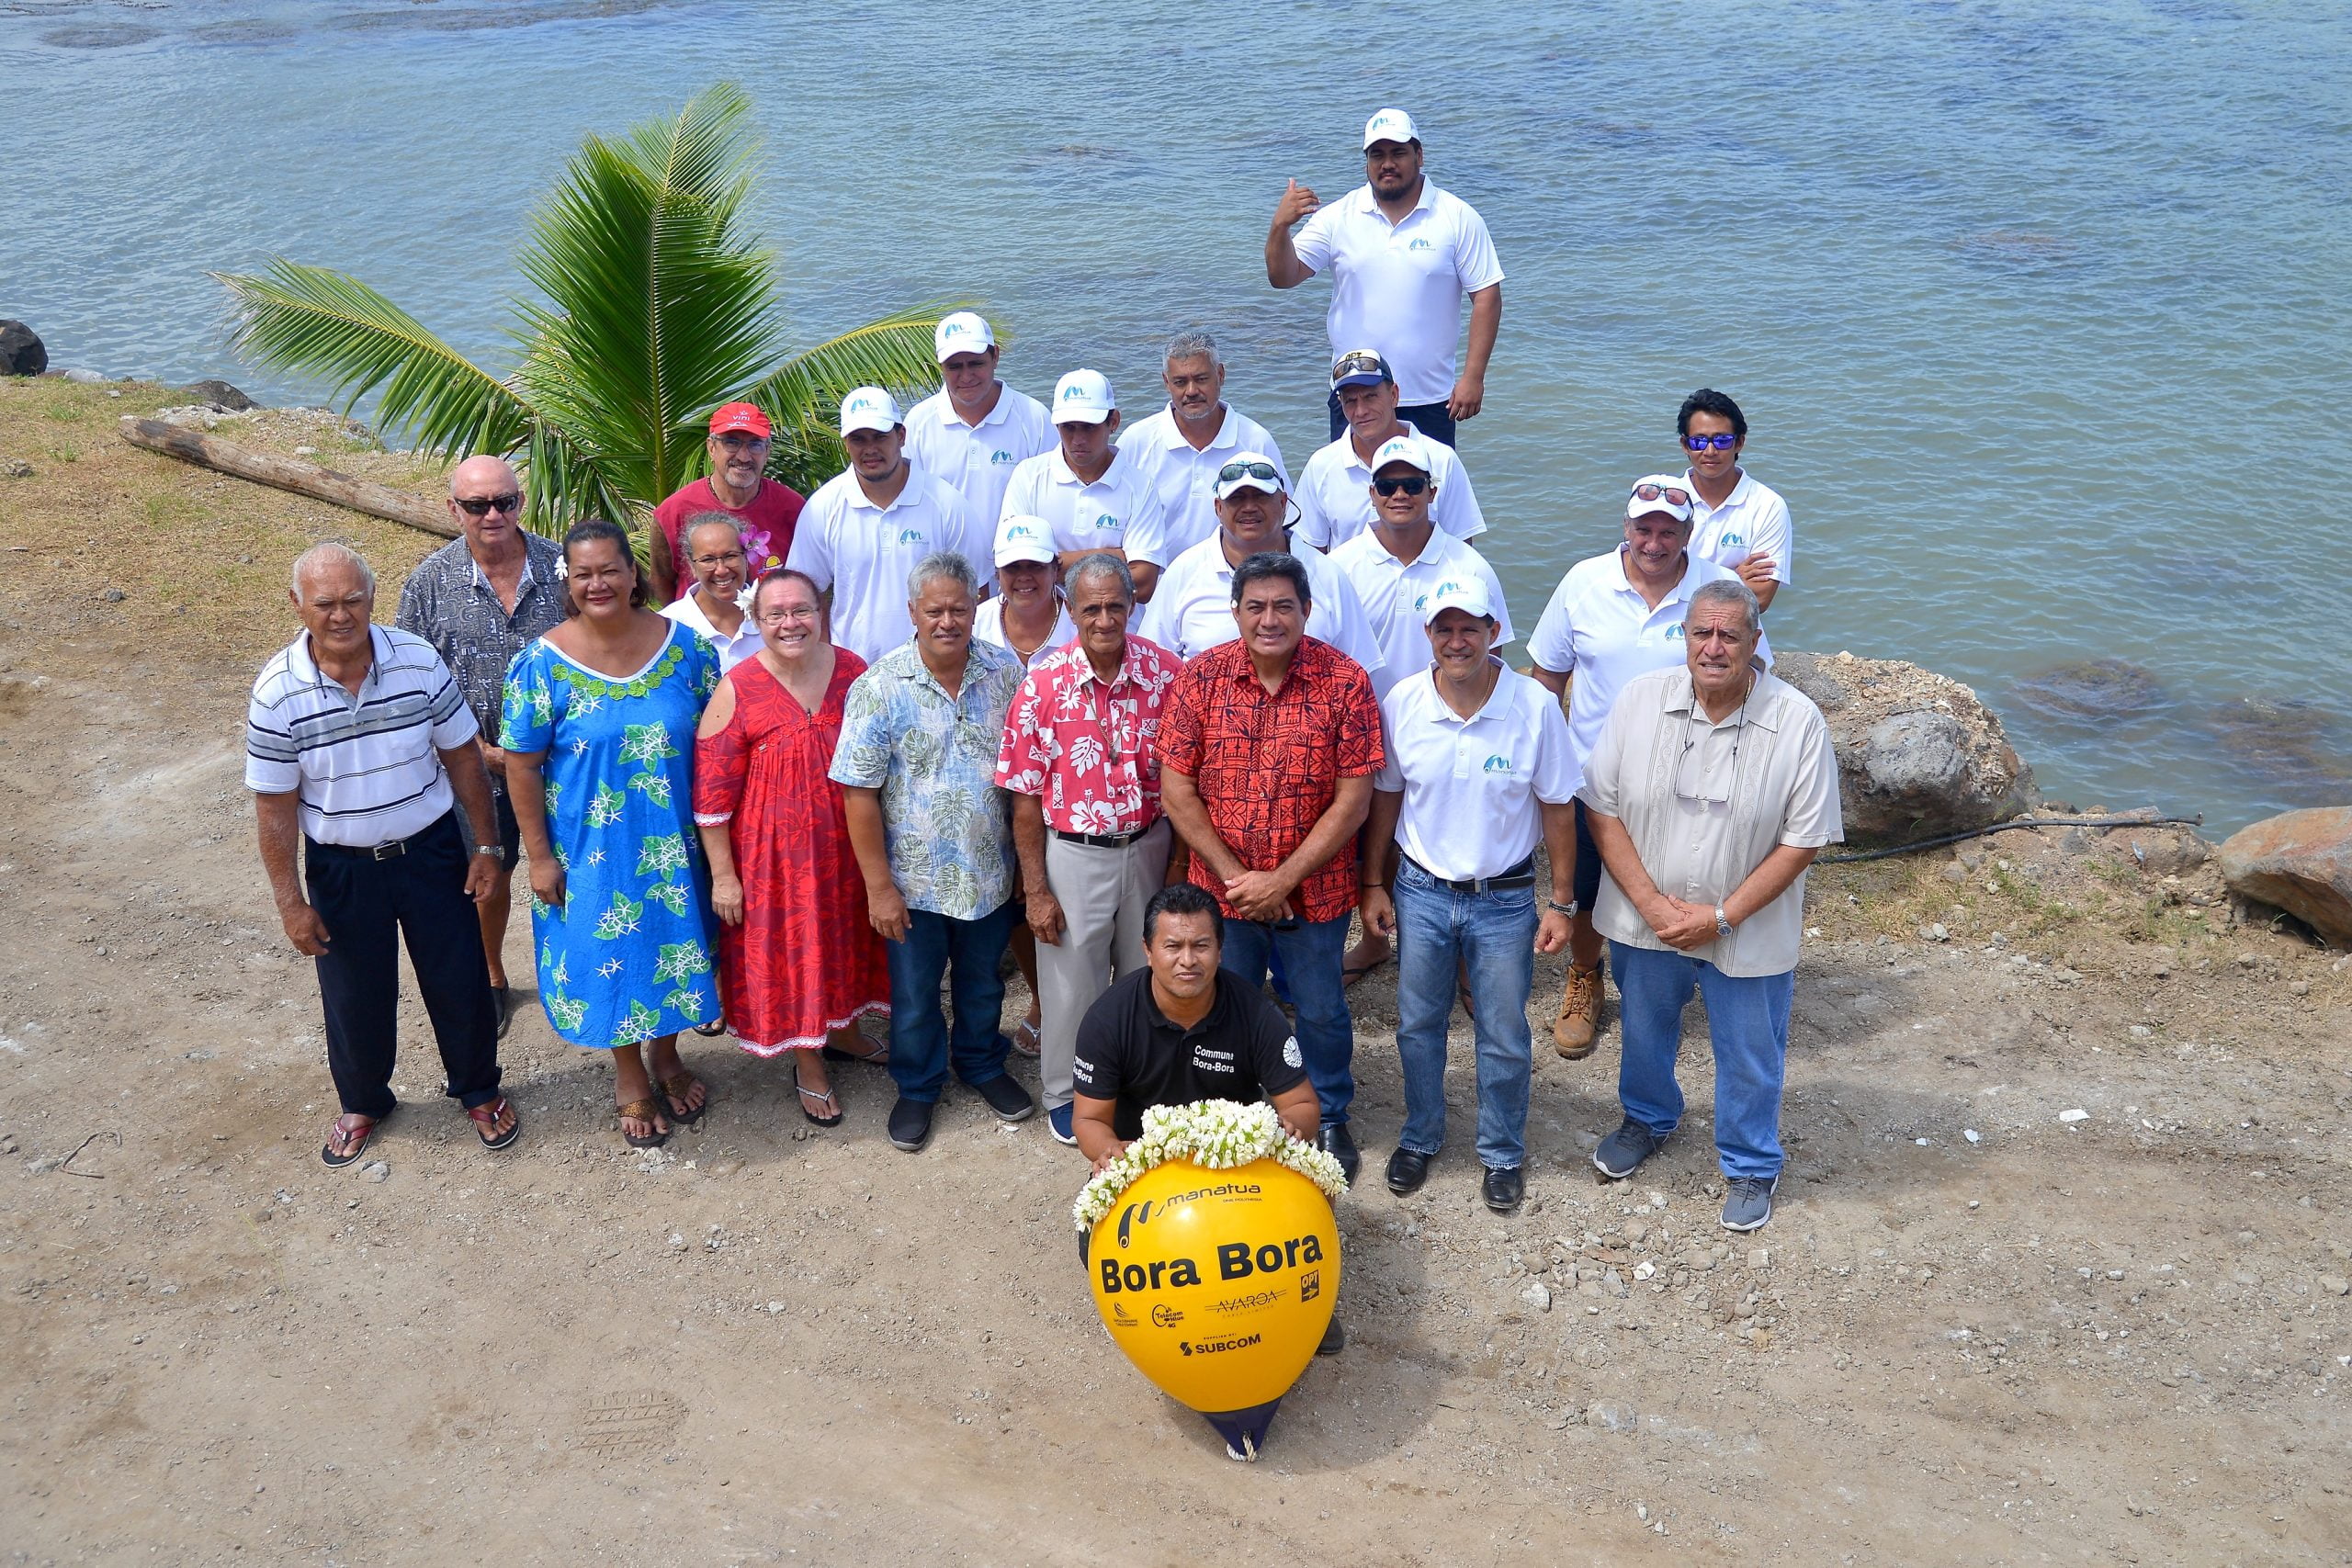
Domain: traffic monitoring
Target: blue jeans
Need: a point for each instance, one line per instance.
(1747, 1022)
(920, 1044)
(1311, 957)
(1439, 932)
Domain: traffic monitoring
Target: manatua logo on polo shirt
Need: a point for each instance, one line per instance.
(1674, 633)
(1421, 243)
(914, 536)
(1498, 764)
(1735, 538)
(1106, 521)
(1000, 456)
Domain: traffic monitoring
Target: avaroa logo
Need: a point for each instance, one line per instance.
(1217, 1346)
(1166, 1316)
(1256, 1299)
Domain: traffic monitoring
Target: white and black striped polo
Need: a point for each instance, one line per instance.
(366, 768)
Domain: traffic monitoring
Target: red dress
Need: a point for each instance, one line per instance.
(804, 960)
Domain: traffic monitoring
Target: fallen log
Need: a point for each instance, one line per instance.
(289, 474)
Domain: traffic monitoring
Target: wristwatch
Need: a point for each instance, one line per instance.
(1723, 922)
(1568, 908)
(496, 851)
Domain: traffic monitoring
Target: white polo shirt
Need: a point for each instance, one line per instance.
(1191, 610)
(364, 769)
(864, 552)
(1599, 629)
(978, 459)
(1393, 591)
(988, 625)
(1185, 480)
(1083, 516)
(1471, 785)
(1335, 494)
(1753, 520)
(1399, 288)
(731, 651)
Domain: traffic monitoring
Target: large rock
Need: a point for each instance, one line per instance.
(1918, 755)
(2301, 860)
(21, 351)
(220, 394)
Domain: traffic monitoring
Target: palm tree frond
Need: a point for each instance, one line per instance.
(311, 320)
(803, 395)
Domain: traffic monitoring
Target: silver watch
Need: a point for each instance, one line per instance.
(496, 851)
(1723, 922)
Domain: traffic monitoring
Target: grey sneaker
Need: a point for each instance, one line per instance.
(1622, 1153)
(1749, 1203)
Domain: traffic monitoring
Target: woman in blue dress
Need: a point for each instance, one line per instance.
(599, 734)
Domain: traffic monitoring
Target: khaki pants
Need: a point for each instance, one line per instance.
(1102, 892)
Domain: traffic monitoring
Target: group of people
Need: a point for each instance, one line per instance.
(1124, 701)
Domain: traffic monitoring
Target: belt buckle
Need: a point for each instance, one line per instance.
(392, 851)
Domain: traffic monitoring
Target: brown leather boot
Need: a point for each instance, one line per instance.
(1573, 1033)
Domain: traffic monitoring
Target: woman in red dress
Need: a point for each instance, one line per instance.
(798, 961)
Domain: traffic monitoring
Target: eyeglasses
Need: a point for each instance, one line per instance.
(1359, 365)
(1706, 443)
(1673, 493)
(1411, 484)
(719, 559)
(482, 505)
(736, 442)
(1233, 471)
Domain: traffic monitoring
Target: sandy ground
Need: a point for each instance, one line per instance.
(2119, 1339)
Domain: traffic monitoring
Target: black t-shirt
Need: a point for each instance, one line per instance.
(1128, 1051)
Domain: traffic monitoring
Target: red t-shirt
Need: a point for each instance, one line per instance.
(767, 527)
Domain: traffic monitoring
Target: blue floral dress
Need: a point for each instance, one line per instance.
(628, 958)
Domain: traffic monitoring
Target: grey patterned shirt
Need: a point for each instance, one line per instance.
(450, 604)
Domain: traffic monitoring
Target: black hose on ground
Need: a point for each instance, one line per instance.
(2195, 821)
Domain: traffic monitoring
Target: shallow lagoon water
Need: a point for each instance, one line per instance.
(2036, 309)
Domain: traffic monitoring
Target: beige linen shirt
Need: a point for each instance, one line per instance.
(1706, 803)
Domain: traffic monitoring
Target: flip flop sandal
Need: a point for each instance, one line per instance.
(877, 1057)
(1350, 973)
(711, 1030)
(485, 1118)
(674, 1088)
(366, 1135)
(1026, 1039)
(641, 1110)
(809, 1095)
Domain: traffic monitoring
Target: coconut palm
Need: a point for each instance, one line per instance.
(658, 307)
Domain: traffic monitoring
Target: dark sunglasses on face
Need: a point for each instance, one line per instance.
(1678, 496)
(1705, 443)
(482, 505)
(1411, 484)
(1233, 471)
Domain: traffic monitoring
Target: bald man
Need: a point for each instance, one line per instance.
(479, 599)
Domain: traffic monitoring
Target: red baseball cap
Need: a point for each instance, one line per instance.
(745, 417)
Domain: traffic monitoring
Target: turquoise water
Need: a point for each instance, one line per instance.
(2037, 311)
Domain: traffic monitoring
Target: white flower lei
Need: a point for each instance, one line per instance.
(1218, 1134)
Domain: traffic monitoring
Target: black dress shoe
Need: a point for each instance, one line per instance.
(1407, 1168)
(910, 1125)
(1340, 1146)
(1007, 1099)
(1504, 1188)
(1335, 1338)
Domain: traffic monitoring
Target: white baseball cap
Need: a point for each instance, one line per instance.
(1240, 466)
(1468, 594)
(1024, 537)
(966, 331)
(1403, 449)
(1389, 125)
(869, 408)
(1084, 396)
(1662, 490)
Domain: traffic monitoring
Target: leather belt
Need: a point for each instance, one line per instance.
(1520, 876)
(1105, 840)
(393, 850)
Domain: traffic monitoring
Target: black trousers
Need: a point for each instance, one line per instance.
(1430, 419)
(369, 906)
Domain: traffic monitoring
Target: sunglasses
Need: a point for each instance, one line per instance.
(1673, 493)
(1233, 471)
(482, 505)
(1709, 443)
(1411, 484)
(1359, 365)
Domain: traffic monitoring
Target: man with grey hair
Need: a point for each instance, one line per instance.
(1181, 449)
(1709, 793)
(1078, 760)
(917, 764)
(357, 743)
(480, 600)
